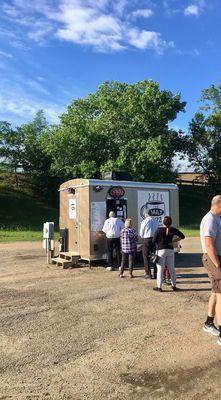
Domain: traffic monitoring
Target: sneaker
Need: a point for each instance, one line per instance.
(131, 276)
(109, 268)
(158, 289)
(174, 288)
(121, 276)
(212, 329)
(219, 341)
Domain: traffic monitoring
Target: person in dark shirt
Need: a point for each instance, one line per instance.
(163, 240)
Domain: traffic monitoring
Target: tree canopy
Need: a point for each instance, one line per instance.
(204, 147)
(121, 126)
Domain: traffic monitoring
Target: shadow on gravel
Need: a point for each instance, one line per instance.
(172, 383)
(192, 275)
(194, 290)
(30, 257)
(192, 282)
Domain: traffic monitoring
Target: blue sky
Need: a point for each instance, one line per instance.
(52, 51)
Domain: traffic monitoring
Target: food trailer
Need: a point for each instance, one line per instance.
(86, 203)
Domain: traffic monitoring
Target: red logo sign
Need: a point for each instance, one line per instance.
(116, 191)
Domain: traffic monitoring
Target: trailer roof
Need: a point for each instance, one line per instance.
(95, 182)
(102, 182)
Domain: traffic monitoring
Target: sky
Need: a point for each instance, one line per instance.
(54, 51)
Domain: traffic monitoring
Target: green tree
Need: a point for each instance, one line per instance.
(11, 148)
(122, 126)
(23, 149)
(204, 147)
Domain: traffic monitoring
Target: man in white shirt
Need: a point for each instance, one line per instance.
(210, 235)
(112, 228)
(147, 229)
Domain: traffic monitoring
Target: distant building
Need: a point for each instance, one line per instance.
(188, 178)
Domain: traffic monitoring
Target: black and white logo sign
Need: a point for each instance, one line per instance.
(155, 202)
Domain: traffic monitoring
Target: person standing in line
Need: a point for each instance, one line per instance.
(147, 230)
(112, 228)
(128, 238)
(210, 235)
(163, 240)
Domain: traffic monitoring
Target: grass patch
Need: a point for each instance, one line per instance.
(11, 236)
(190, 232)
(22, 213)
(25, 236)
(194, 204)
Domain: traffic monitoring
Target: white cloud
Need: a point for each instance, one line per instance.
(101, 24)
(119, 6)
(146, 39)
(21, 107)
(36, 86)
(143, 13)
(193, 9)
(4, 54)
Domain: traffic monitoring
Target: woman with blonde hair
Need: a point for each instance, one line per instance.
(128, 238)
(163, 240)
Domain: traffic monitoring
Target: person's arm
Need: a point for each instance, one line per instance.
(142, 229)
(104, 229)
(155, 237)
(178, 236)
(211, 251)
(135, 235)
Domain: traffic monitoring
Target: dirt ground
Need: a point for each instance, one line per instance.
(86, 334)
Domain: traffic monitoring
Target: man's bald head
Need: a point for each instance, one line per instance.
(216, 200)
(216, 204)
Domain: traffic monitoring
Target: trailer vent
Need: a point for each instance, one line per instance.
(117, 176)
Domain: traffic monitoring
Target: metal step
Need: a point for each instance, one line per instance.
(69, 255)
(65, 260)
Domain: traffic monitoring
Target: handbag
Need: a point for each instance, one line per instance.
(154, 258)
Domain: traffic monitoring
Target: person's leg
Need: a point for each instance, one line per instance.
(212, 305)
(170, 266)
(155, 271)
(145, 255)
(117, 249)
(123, 263)
(150, 251)
(218, 315)
(160, 267)
(110, 252)
(131, 263)
(146, 251)
(213, 309)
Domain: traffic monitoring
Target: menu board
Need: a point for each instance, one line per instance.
(98, 215)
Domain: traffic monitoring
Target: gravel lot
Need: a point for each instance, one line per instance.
(86, 334)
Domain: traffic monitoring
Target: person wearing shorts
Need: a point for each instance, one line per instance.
(210, 235)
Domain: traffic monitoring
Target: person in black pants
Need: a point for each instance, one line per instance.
(112, 228)
(113, 244)
(147, 230)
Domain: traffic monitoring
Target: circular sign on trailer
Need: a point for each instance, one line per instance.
(116, 192)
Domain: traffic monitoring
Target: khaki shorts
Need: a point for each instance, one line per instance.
(213, 272)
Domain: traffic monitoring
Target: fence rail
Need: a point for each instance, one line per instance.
(193, 183)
